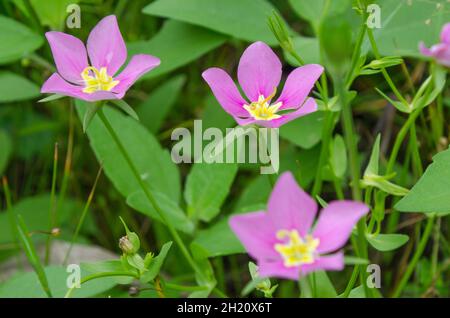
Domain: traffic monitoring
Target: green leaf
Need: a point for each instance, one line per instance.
(172, 211)
(220, 232)
(6, 149)
(387, 242)
(307, 48)
(207, 186)
(115, 265)
(230, 17)
(406, 23)
(177, 44)
(91, 111)
(32, 256)
(16, 41)
(382, 183)
(305, 131)
(51, 98)
(353, 260)
(50, 13)
(214, 116)
(156, 264)
(153, 163)
(432, 192)
(313, 11)
(15, 88)
(372, 166)
(338, 157)
(399, 105)
(324, 286)
(26, 285)
(123, 106)
(154, 110)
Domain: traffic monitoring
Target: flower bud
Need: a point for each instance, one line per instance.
(130, 243)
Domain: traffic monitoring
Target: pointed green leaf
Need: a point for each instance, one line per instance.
(372, 166)
(387, 242)
(123, 105)
(207, 187)
(51, 98)
(432, 192)
(156, 264)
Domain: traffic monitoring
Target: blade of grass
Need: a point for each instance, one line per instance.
(30, 252)
(52, 212)
(83, 215)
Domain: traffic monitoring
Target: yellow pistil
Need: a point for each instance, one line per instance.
(296, 250)
(262, 110)
(95, 80)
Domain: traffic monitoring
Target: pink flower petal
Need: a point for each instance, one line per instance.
(440, 52)
(298, 85)
(332, 262)
(225, 92)
(138, 66)
(259, 71)
(278, 270)
(290, 207)
(69, 54)
(106, 47)
(424, 50)
(308, 107)
(256, 233)
(336, 222)
(57, 85)
(445, 34)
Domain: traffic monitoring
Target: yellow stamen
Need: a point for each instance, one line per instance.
(296, 250)
(95, 80)
(262, 110)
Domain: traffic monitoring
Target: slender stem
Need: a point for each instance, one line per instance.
(383, 70)
(33, 15)
(418, 253)
(219, 293)
(399, 139)
(356, 55)
(83, 216)
(185, 288)
(352, 281)
(149, 195)
(99, 275)
(326, 136)
(52, 211)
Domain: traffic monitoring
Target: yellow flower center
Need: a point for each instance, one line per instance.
(262, 110)
(95, 80)
(296, 250)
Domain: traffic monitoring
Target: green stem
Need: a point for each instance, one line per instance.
(33, 16)
(52, 211)
(383, 70)
(351, 282)
(184, 288)
(99, 275)
(219, 293)
(83, 216)
(327, 131)
(149, 195)
(399, 139)
(413, 263)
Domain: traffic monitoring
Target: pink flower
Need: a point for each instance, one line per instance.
(259, 74)
(441, 51)
(284, 241)
(97, 80)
